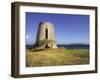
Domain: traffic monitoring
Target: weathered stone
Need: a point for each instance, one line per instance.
(45, 36)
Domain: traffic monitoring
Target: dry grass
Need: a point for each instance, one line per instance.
(53, 57)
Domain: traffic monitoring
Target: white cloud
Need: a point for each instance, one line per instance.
(27, 36)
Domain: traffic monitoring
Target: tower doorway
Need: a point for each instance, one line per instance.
(46, 33)
(46, 37)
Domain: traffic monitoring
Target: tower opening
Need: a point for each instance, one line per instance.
(46, 37)
(46, 33)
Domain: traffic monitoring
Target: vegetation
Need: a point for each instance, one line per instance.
(59, 56)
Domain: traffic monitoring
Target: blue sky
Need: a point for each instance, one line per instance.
(69, 28)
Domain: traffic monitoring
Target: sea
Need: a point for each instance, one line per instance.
(72, 46)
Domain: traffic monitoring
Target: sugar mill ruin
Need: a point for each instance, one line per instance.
(45, 36)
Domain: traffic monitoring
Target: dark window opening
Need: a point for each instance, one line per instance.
(46, 34)
(46, 37)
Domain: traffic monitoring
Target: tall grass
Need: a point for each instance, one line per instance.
(60, 56)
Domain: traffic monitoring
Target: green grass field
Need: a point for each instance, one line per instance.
(59, 56)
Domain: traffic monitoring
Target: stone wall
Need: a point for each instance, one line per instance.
(46, 39)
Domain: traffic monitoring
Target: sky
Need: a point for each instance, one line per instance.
(69, 28)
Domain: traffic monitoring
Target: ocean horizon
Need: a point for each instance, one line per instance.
(67, 46)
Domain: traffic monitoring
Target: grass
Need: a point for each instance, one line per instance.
(59, 56)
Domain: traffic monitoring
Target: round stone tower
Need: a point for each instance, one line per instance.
(45, 36)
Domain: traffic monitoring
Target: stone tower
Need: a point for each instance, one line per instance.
(45, 36)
